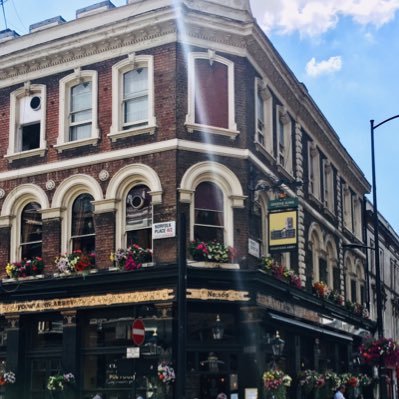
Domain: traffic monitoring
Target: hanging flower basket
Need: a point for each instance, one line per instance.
(166, 373)
(377, 351)
(276, 383)
(59, 382)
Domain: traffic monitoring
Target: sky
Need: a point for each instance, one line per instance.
(344, 51)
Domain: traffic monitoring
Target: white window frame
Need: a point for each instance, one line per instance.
(263, 91)
(14, 139)
(328, 185)
(314, 173)
(284, 150)
(65, 87)
(190, 123)
(118, 70)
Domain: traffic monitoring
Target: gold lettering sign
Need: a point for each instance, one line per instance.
(287, 308)
(219, 295)
(86, 301)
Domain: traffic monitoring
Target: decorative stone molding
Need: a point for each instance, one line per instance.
(2, 193)
(103, 175)
(50, 185)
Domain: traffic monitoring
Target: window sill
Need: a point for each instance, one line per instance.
(213, 265)
(149, 129)
(262, 149)
(287, 174)
(77, 143)
(194, 127)
(26, 154)
(314, 199)
(328, 212)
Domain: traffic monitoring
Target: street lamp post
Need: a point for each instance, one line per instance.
(380, 317)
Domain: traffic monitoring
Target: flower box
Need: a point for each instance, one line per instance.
(25, 268)
(211, 251)
(77, 261)
(213, 265)
(132, 258)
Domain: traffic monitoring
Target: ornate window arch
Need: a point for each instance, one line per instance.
(333, 275)
(316, 248)
(64, 200)
(225, 180)
(134, 180)
(12, 213)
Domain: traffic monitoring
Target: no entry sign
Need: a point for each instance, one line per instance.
(138, 332)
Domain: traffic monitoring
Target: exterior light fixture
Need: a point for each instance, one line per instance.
(277, 345)
(218, 329)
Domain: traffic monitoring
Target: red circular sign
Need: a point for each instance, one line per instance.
(138, 332)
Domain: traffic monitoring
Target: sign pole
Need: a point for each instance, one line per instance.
(181, 310)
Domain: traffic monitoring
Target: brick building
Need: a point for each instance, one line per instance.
(115, 124)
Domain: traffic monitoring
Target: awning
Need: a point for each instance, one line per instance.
(308, 326)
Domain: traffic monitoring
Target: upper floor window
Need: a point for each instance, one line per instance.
(314, 170)
(31, 231)
(27, 122)
(78, 110)
(357, 217)
(328, 185)
(211, 95)
(284, 139)
(138, 218)
(82, 229)
(208, 213)
(347, 205)
(133, 97)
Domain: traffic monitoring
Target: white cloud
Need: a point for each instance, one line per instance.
(314, 68)
(315, 17)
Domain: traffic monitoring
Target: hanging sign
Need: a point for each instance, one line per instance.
(283, 231)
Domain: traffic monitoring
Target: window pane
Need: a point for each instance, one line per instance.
(81, 97)
(80, 132)
(30, 137)
(204, 233)
(209, 196)
(81, 116)
(83, 224)
(31, 231)
(136, 109)
(135, 95)
(211, 94)
(138, 221)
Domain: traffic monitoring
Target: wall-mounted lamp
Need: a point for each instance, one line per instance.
(218, 329)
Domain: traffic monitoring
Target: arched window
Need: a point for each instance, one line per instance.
(138, 218)
(31, 231)
(208, 213)
(83, 233)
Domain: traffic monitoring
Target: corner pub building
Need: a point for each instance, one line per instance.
(123, 120)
